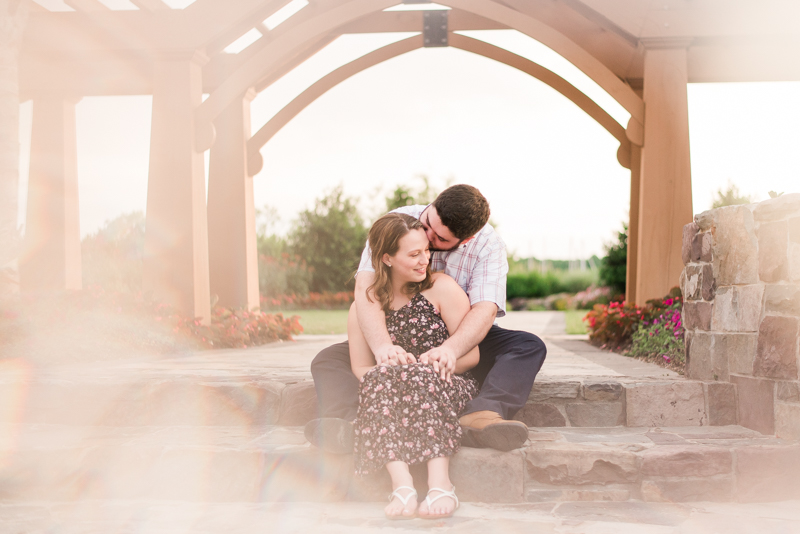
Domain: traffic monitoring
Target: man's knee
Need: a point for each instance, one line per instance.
(333, 357)
(530, 345)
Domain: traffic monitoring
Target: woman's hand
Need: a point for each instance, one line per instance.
(443, 360)
(393, 355)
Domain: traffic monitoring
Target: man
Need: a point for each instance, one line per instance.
(468, 249)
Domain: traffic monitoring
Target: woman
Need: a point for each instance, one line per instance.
(408, 414)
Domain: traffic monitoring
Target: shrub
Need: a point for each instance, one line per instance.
(330, 239)
(312, 301)
(111, 258)
(661, 336)
(586, 300)
(612, 326)
(614, 267)
(576, 281)
(283, 275)
(532, 284)
(95, 321)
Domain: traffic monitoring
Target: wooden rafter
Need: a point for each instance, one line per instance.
(86, 6)
(150, 5)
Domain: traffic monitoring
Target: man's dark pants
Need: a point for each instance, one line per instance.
(509, 363)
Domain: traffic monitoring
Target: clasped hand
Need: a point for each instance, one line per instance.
(393, 355)
(443, 360)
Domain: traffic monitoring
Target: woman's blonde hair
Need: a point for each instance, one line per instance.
(384, 238)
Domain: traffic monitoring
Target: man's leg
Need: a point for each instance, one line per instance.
(337, 398)
(510, 361)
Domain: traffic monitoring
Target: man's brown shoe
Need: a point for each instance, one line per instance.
(486, 429)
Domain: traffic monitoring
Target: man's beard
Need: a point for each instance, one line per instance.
(434, 249)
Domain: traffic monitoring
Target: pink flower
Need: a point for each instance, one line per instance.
(425, 406)
(431, 433)
(386, 411)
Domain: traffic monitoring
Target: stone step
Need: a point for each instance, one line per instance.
(635, 402)
(183, 393)
(240, 464)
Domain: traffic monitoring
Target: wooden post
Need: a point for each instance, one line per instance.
(233, 263)
(51, 259)
(665, 196)
(176, 235)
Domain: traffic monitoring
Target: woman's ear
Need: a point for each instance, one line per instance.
(387, 260)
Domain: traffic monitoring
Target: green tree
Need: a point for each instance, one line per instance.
(112, 257)
(405, 195)
(730, 197)
(330, 239)
(614, 266)
(268, 242)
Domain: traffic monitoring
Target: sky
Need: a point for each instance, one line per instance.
(548, 170)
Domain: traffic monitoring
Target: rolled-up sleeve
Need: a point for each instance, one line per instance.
(488, 279)
(366, 260)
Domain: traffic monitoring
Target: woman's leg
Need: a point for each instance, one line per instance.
(438, 477)
(401, 476)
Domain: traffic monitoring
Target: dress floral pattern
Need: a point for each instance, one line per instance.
(408, 413)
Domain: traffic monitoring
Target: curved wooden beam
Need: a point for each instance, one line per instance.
(292, 109)
(501, 55)
(254, 159)
(276, 53)
(559, 43)
(292, 43)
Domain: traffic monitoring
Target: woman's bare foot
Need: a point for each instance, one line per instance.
(438, 503)
(403, 503)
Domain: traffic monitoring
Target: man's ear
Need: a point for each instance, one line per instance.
(467, 240)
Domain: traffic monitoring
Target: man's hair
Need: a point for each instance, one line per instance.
(463, 210)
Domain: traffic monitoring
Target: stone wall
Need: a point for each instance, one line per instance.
(741, 284)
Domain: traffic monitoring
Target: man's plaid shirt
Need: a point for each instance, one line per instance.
(479, 266)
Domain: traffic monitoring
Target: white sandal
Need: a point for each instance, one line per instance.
(442, 493)
(404, 500)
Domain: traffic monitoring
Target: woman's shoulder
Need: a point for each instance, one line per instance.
(443, 285)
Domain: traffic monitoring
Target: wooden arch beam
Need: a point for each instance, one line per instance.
(561, 44)
(273, 55)
(292, 43)
(320, 87)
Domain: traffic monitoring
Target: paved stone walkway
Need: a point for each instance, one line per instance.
(356, 518)
(289, 362)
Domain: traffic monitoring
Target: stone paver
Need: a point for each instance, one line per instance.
(145, 517)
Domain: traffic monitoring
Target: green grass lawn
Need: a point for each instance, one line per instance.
(574, 323)
(321, 321)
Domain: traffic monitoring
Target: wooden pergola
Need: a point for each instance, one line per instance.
(642, 53)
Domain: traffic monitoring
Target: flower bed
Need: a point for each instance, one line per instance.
(93, 323)
(652, 333)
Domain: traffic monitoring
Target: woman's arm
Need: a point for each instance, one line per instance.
(453, 305)
(361, 357)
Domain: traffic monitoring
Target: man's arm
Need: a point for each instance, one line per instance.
(470, 332)
(372, 322)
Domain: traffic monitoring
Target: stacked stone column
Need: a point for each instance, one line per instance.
(741, 285)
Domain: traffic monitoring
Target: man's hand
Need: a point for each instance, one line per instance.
(443, 360)
(393, 355)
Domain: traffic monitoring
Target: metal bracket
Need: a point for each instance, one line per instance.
(434, 28)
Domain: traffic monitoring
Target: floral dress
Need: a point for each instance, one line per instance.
(408, 413)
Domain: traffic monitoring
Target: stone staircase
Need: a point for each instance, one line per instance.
(226, 426)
